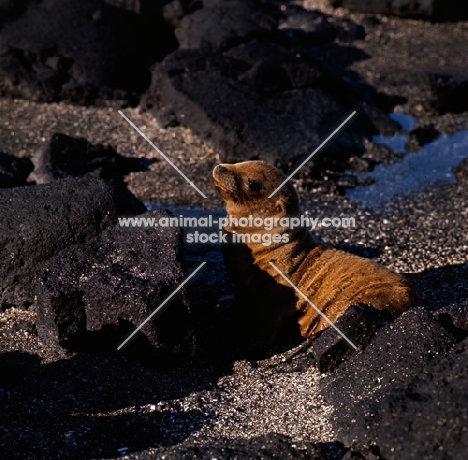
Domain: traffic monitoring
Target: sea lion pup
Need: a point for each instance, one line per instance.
(332, 279)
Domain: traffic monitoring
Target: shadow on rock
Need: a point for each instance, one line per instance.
(93, 405)
(65, 156)
(14, 171)
(269, 446)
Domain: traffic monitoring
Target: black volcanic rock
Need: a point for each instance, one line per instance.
(364, 389)
(359, 324)
(38, 221)
(418, 137)
(14, 171)
(434, 10)
(173, 12)
(223, 24)
(307, 27)
(445, 94)
(94, 295)
(65, 156)
(454, 317)
(85, 52)
(348, 30)
(379, 119)
(428, 416)
(257, 100)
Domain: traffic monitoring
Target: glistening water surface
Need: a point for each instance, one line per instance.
(430, 165)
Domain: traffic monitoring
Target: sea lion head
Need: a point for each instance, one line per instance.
(245, 187)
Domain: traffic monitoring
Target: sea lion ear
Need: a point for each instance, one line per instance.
(281, 207)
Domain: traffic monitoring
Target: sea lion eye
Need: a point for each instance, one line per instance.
(254, 185)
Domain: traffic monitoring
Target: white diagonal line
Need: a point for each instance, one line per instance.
(159, 308)
(313, 153)
(162, 154)
(310, 303)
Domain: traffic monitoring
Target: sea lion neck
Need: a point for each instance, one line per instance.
(295, 245)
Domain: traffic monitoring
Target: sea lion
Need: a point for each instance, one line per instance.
(331, 279)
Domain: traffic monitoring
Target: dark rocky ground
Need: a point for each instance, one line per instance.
(226, 80)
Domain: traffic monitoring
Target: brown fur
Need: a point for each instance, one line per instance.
(332, 279)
